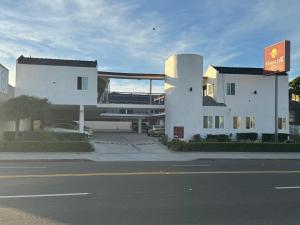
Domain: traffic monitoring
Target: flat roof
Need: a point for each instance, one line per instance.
(139, 76)
(242, 70)
(56, 62)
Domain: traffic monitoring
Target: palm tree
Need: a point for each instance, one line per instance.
(25, 107)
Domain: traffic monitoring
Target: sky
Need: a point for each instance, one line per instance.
(120, 35)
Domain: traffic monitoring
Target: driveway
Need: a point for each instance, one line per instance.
(126, 143)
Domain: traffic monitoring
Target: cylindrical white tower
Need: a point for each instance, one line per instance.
(183, 95)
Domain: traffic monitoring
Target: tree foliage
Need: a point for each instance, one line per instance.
(295, 86)
(25, 107)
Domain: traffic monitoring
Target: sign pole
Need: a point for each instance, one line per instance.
(276, 108)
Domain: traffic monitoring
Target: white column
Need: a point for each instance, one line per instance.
(81, 119)
(150, 91)
(139, 125)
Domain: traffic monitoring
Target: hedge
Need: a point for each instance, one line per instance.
(240, 147)
(45, 146)
(44, 136)
(271, 137)
(177, 145)
(217, 137)
(247, 136)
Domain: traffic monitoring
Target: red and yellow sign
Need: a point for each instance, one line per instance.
(179, 132)
(277, 57)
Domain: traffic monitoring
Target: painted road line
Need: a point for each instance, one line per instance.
(23, 167)
(292, 187)
(191, 165)
(44, 195)
(150, 173)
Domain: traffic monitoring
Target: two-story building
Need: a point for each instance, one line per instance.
(224, 100)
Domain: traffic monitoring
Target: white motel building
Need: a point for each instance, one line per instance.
(223, 100)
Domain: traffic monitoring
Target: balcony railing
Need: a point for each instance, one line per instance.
(133, 98)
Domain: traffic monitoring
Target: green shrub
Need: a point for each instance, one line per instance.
(271, 137)
(44, 136)
(247, 136)
(176, 145)
(45, 146)
(217, 137)
(241, 147)
(196, 137)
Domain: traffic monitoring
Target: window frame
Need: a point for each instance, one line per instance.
(82, 83)
(239, 119)
(220, 122)
(208, 124)
(250, 120)
(281, 123)
(230, 88)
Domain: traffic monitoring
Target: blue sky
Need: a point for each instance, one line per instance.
(119, 34)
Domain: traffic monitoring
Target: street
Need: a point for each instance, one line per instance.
(217, 192)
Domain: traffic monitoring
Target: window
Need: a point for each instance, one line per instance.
(82, 83)
(237, 122)
(281, 123)
(219, 122)
(250, 122)
(230, 88)
(207, 121)
(210, 89)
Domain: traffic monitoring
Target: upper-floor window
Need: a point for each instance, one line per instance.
(207, 121)
(219, 122)
(230, 88)
(210, 89)
(281, 123)
(250, 122)
(82, 83)
(237, 122)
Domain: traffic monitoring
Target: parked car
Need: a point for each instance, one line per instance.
(72, 127)
(145, 127)
(156, 130)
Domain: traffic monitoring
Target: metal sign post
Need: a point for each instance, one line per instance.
(276, 107)
(276, 61)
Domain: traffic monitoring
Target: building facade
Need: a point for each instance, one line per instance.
(224, 100)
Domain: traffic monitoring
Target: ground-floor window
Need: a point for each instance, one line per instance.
(237, 122)
(207, 121)
(219, 122)
(250, 122)
(281, 123)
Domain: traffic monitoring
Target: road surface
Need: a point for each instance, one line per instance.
(205, 192)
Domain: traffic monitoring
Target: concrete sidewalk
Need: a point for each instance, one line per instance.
(138, 147)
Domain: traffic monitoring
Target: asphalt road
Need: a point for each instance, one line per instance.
(217, 192)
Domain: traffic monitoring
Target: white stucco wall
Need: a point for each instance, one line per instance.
(183, 107)
(245, 103)
(261, 105)
(57, 83)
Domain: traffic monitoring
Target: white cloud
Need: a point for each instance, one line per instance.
(119, 33)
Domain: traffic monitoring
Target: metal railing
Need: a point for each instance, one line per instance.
(132, 98)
